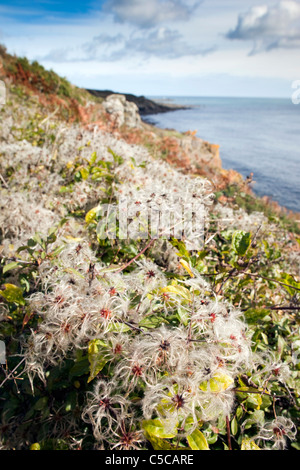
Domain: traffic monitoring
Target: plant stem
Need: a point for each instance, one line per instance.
(137, 256)
(228, 433)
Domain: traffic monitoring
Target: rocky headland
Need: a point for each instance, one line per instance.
(145, 105)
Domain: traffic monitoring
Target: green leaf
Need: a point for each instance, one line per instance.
(93, 158)
(197, 441)
(189, 422)
(158, 443)
(234, 426)
(119, 327)
(253, 315)
(268, 251)
(80, 367)
(13, 294)
(65, 189)
(183, 316)
(97, 355)
(290, 281)
(181, 247)
(10, 266)
(38, 239)
(159, 428)
(41, 404)
(57, 251)
(254, 401)
(240, 242)
(257, 417)
(152, 321)
(119, 160)
(78, 176)
(280, 345)
(71, 401)
(201, 255)
(73, 271)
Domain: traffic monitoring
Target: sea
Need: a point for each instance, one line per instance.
(256, 135)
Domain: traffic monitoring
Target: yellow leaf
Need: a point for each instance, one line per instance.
(216, 384)
(158, 443)
(72, 239)
(91, 215)
(197, 441)
(247, 444)
(177, 290)
(186, 266)
(97, 355)
(12, 294)
(164, 429)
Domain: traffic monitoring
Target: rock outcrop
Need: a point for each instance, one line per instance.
(121, 111)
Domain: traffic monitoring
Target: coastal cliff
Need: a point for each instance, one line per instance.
(184, 150)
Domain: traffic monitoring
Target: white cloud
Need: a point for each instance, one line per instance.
(150, 13)
(172, 56)
(159, 42)
(270, 27)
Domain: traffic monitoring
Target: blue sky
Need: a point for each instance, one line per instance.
(162, 47)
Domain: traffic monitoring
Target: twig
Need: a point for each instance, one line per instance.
(3, 181)
(270, 307)
(49, 116)
(137, 256)
(11, 373)
(284, 307)
(228, 433)
(271, 280)
(255, 235)
(230, 274)
(274, 408)
(258, 392)
(136, 328)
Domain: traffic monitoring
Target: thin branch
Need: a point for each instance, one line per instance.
(137, 256)
(3, 181)
(258, 392)
(271, 280)
(270, 307)
(284, 307)
(49, 116)
(136, 328)
(228, 433)
(226, 279)
(12, 372)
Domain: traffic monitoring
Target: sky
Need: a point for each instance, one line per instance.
(161, 47)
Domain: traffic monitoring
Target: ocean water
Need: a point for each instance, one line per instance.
(259, 135)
